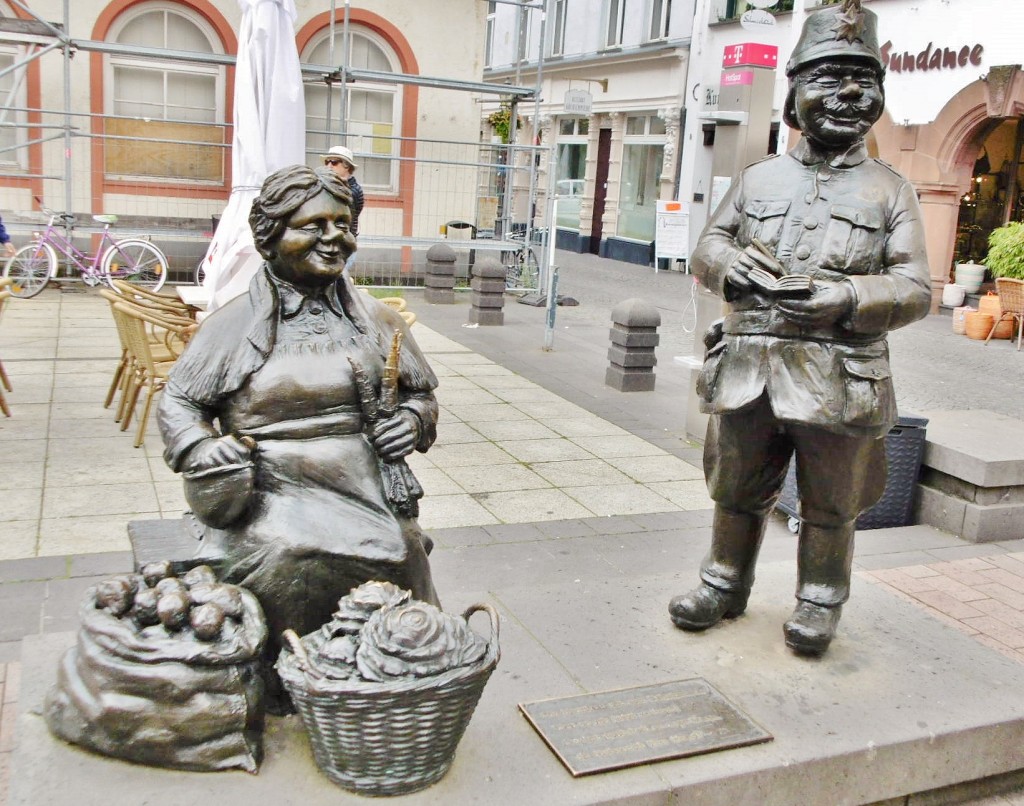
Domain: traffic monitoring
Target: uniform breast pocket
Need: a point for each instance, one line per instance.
(870, 398)
(854, 240)
(763, 219)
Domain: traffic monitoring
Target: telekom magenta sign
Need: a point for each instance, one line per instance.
(751, 54)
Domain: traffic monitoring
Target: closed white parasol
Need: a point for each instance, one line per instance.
(270, 133)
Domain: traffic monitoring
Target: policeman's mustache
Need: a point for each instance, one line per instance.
(848, 109)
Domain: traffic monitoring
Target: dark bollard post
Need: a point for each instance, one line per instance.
(440, 280)
(488, 297)
(634, 335)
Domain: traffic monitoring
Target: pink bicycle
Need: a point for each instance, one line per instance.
(135, 260)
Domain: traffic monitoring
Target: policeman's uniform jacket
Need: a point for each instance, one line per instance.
(845, 217)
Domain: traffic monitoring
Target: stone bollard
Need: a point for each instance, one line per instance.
(634, 335)
(488, 295)
(439, 285)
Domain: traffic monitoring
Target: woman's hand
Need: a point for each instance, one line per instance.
(227, 450)
(396, 436)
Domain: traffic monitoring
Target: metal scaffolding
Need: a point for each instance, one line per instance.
(52, 123)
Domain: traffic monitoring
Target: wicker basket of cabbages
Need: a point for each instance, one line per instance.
(387, 687)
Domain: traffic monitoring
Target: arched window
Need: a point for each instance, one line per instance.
(164, 113)
(12, 102)
(371, 124)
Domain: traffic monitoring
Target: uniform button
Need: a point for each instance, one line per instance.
(810, 222)
(824, 177)
(316, 309)
(803, 251)
(809, 198)
(320, 328)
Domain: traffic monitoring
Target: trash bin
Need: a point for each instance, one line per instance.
(904, 450)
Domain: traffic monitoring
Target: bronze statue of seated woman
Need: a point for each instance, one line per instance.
(290, 423)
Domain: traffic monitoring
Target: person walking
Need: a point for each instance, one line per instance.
(806, 371)
(339, 159)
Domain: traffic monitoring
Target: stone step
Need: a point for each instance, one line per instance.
(972, 475)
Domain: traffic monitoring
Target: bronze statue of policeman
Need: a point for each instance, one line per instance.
(806, 373)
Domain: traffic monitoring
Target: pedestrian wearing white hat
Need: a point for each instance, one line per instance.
(340, 160)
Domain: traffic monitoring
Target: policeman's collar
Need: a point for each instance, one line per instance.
(810, 154)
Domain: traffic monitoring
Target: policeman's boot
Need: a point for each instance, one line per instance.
(726, 573)
(824, 564)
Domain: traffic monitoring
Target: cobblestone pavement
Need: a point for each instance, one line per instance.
(978, 589)
(933, 367)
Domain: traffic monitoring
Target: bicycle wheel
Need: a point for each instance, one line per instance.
(135, 261)
(510, 260)
(30, 269)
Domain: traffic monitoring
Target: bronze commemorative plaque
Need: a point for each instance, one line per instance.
(609, 730)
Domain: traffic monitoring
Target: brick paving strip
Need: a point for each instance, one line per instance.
(980, 596)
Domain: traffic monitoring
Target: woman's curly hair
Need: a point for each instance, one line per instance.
(285, 191)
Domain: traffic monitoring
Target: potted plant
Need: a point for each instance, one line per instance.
(1006, 251)
(501, 122)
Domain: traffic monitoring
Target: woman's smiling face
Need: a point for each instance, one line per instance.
(315, 244)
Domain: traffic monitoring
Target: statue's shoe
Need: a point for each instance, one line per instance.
(705, 606)
(811, 628)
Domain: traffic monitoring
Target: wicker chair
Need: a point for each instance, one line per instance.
(5, 382)
(146, 371)
(124, 370)
(398, 304)
(150, 299)
(1011, 303)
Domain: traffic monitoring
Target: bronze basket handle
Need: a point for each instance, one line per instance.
(492, 613)
(291, 638)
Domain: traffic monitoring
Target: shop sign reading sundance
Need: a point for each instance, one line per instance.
(931, 58)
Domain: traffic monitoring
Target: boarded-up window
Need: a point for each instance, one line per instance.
(163, 120)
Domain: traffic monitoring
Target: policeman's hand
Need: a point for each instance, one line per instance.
(736, 275)
(218, 452)
(9, 249)
(829, 303)
(396, 436)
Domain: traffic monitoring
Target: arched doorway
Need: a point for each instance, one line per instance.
(943, 159)
(994, 194)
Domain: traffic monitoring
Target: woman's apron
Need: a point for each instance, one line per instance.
(318, 524)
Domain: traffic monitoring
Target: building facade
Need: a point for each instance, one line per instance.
(610, 76)
(134, 117)
(952, 123)
(653, 70)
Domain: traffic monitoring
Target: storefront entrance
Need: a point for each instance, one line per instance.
(996, 192)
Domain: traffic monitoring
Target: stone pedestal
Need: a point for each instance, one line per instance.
(439, 285)
(634, 335)
(902, 702)
(488, 297)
